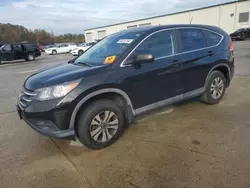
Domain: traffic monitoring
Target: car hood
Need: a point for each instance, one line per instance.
(57, 75)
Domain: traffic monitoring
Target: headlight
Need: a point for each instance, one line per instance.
(57, 91)
(48, 49)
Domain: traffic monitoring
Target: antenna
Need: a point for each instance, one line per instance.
(191, 20)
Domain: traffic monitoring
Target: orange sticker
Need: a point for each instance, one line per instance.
(109, 59)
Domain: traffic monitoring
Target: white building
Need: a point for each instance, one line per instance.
(229, 16)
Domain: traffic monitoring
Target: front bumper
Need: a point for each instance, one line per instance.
(47, 120)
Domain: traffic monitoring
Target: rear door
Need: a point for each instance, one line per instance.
(196, 58)
(66, 48)
(18, 51)
(62, 48)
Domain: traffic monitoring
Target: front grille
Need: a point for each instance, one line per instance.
(25, 97)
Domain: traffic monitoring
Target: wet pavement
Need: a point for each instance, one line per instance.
(186, 145)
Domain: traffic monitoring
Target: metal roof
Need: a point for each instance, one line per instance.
(195, 9)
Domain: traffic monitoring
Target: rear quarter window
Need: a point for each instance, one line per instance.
(212, 38)
(191, 39)
(30, 46)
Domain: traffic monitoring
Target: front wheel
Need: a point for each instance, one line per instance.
(215, 88)
(100, 124)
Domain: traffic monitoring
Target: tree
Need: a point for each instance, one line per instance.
(15, 34)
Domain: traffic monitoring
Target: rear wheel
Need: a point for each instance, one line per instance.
(80, 52)
(30, 57)
(54, 52)
(100, 124)
(215, 88)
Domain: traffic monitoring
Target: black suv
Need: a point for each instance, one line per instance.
(9, 52)
(96, 95)
(241, 34)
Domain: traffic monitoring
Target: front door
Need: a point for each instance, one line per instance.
(8, 53)
(151, 83)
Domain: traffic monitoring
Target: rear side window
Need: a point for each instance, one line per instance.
(30, 46)
(159, 45)
(191, 39)
(212, 38)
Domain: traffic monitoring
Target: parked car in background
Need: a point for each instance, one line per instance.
(29, 52)
(62, 48)
(47, 47)
(96, 95)
(240, 34)
(80, 49)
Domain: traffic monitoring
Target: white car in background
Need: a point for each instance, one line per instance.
(80, 49)
(62, 48)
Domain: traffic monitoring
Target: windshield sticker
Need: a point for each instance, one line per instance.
(125, 41)
(109, 59)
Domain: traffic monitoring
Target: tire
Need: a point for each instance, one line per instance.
(88, 122)
(80, 52)
(54, 52)
(30, 57)
(214, 88)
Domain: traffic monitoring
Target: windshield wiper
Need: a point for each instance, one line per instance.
(85, 64)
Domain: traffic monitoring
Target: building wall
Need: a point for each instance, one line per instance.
(224, 16)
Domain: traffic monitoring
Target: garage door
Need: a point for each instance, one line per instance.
(89, 37)
(101, 34)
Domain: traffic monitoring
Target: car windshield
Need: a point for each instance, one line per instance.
(240, 30)
(113, 45)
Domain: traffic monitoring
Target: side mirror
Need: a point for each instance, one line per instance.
(144, 58)
(72, 61)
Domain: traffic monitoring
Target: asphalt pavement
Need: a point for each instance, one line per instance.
(186, 145)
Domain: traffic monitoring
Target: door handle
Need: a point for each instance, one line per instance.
(210, 52)
(176, 63)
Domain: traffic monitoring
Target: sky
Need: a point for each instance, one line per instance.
(73, 16)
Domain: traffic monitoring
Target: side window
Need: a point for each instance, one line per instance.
(66, 45)
(212, 38)
(7, 48)
(191, 39)
(159, 44)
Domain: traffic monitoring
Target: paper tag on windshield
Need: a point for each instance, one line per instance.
(125, 41)
(109, 59)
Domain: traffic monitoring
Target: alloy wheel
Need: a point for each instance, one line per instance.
(217, 87)
(30, 57)
(104, 126)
